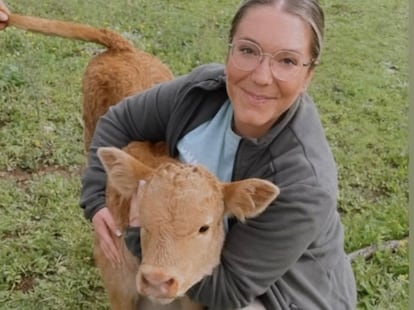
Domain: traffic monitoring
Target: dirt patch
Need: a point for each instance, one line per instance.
(23, 176)
(26, 284)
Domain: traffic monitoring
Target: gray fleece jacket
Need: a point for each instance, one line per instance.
(292, 255)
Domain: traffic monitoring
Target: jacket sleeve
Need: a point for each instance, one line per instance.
(258, 252)
(140, 117)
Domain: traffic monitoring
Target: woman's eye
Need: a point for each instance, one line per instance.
(286, 59)
(288, 62)
(248, 51)
(203, 229)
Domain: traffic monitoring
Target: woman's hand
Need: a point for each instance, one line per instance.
(106, 230)
(4, 15)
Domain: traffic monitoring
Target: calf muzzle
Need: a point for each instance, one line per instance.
(156, 283)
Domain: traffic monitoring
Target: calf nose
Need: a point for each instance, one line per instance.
(158, 284)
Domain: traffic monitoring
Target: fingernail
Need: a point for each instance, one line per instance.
(118, 233)
(3, 17)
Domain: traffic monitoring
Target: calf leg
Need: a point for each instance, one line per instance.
(119, 282)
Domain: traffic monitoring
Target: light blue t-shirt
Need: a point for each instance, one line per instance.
(213, 144)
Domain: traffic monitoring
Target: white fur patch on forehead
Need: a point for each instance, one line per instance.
(180, 174)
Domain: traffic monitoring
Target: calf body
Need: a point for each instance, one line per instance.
(118, 72)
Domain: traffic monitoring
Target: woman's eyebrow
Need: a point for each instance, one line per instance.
(292, 50)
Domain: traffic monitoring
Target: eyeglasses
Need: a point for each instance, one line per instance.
(285, 65)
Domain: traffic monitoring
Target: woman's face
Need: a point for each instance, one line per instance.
(258, 98)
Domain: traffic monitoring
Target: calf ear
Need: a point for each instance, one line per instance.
(249, 197)
(124, 171)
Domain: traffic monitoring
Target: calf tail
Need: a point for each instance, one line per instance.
(108, 38)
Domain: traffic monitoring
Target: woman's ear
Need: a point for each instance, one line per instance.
(308, 79)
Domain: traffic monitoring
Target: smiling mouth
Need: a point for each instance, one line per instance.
(258, 97)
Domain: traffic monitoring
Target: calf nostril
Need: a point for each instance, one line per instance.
(144, 280)
(158, 280)
(170, 282)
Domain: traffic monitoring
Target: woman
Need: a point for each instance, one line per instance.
(249, 118)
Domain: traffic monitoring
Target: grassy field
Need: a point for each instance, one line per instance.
(361, 88)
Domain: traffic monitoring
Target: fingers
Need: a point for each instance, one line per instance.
(109, 220)
(3, 20)
(3, 16)
(3, 7)
(105, 229)
(110, 251)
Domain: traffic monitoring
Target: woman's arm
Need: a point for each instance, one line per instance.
(256, 254)
(141, 117)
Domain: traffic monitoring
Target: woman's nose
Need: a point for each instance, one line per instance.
(262, 74)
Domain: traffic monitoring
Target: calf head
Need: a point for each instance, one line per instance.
(181, 210)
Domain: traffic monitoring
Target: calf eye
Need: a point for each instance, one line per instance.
(203, 229)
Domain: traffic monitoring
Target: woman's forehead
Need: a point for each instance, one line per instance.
(274, 29)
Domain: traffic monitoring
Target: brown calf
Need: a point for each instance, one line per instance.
(181, 211)
(120, 71)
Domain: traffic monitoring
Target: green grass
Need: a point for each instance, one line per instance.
(361, 88)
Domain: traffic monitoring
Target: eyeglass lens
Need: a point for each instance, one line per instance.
(247, 56)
